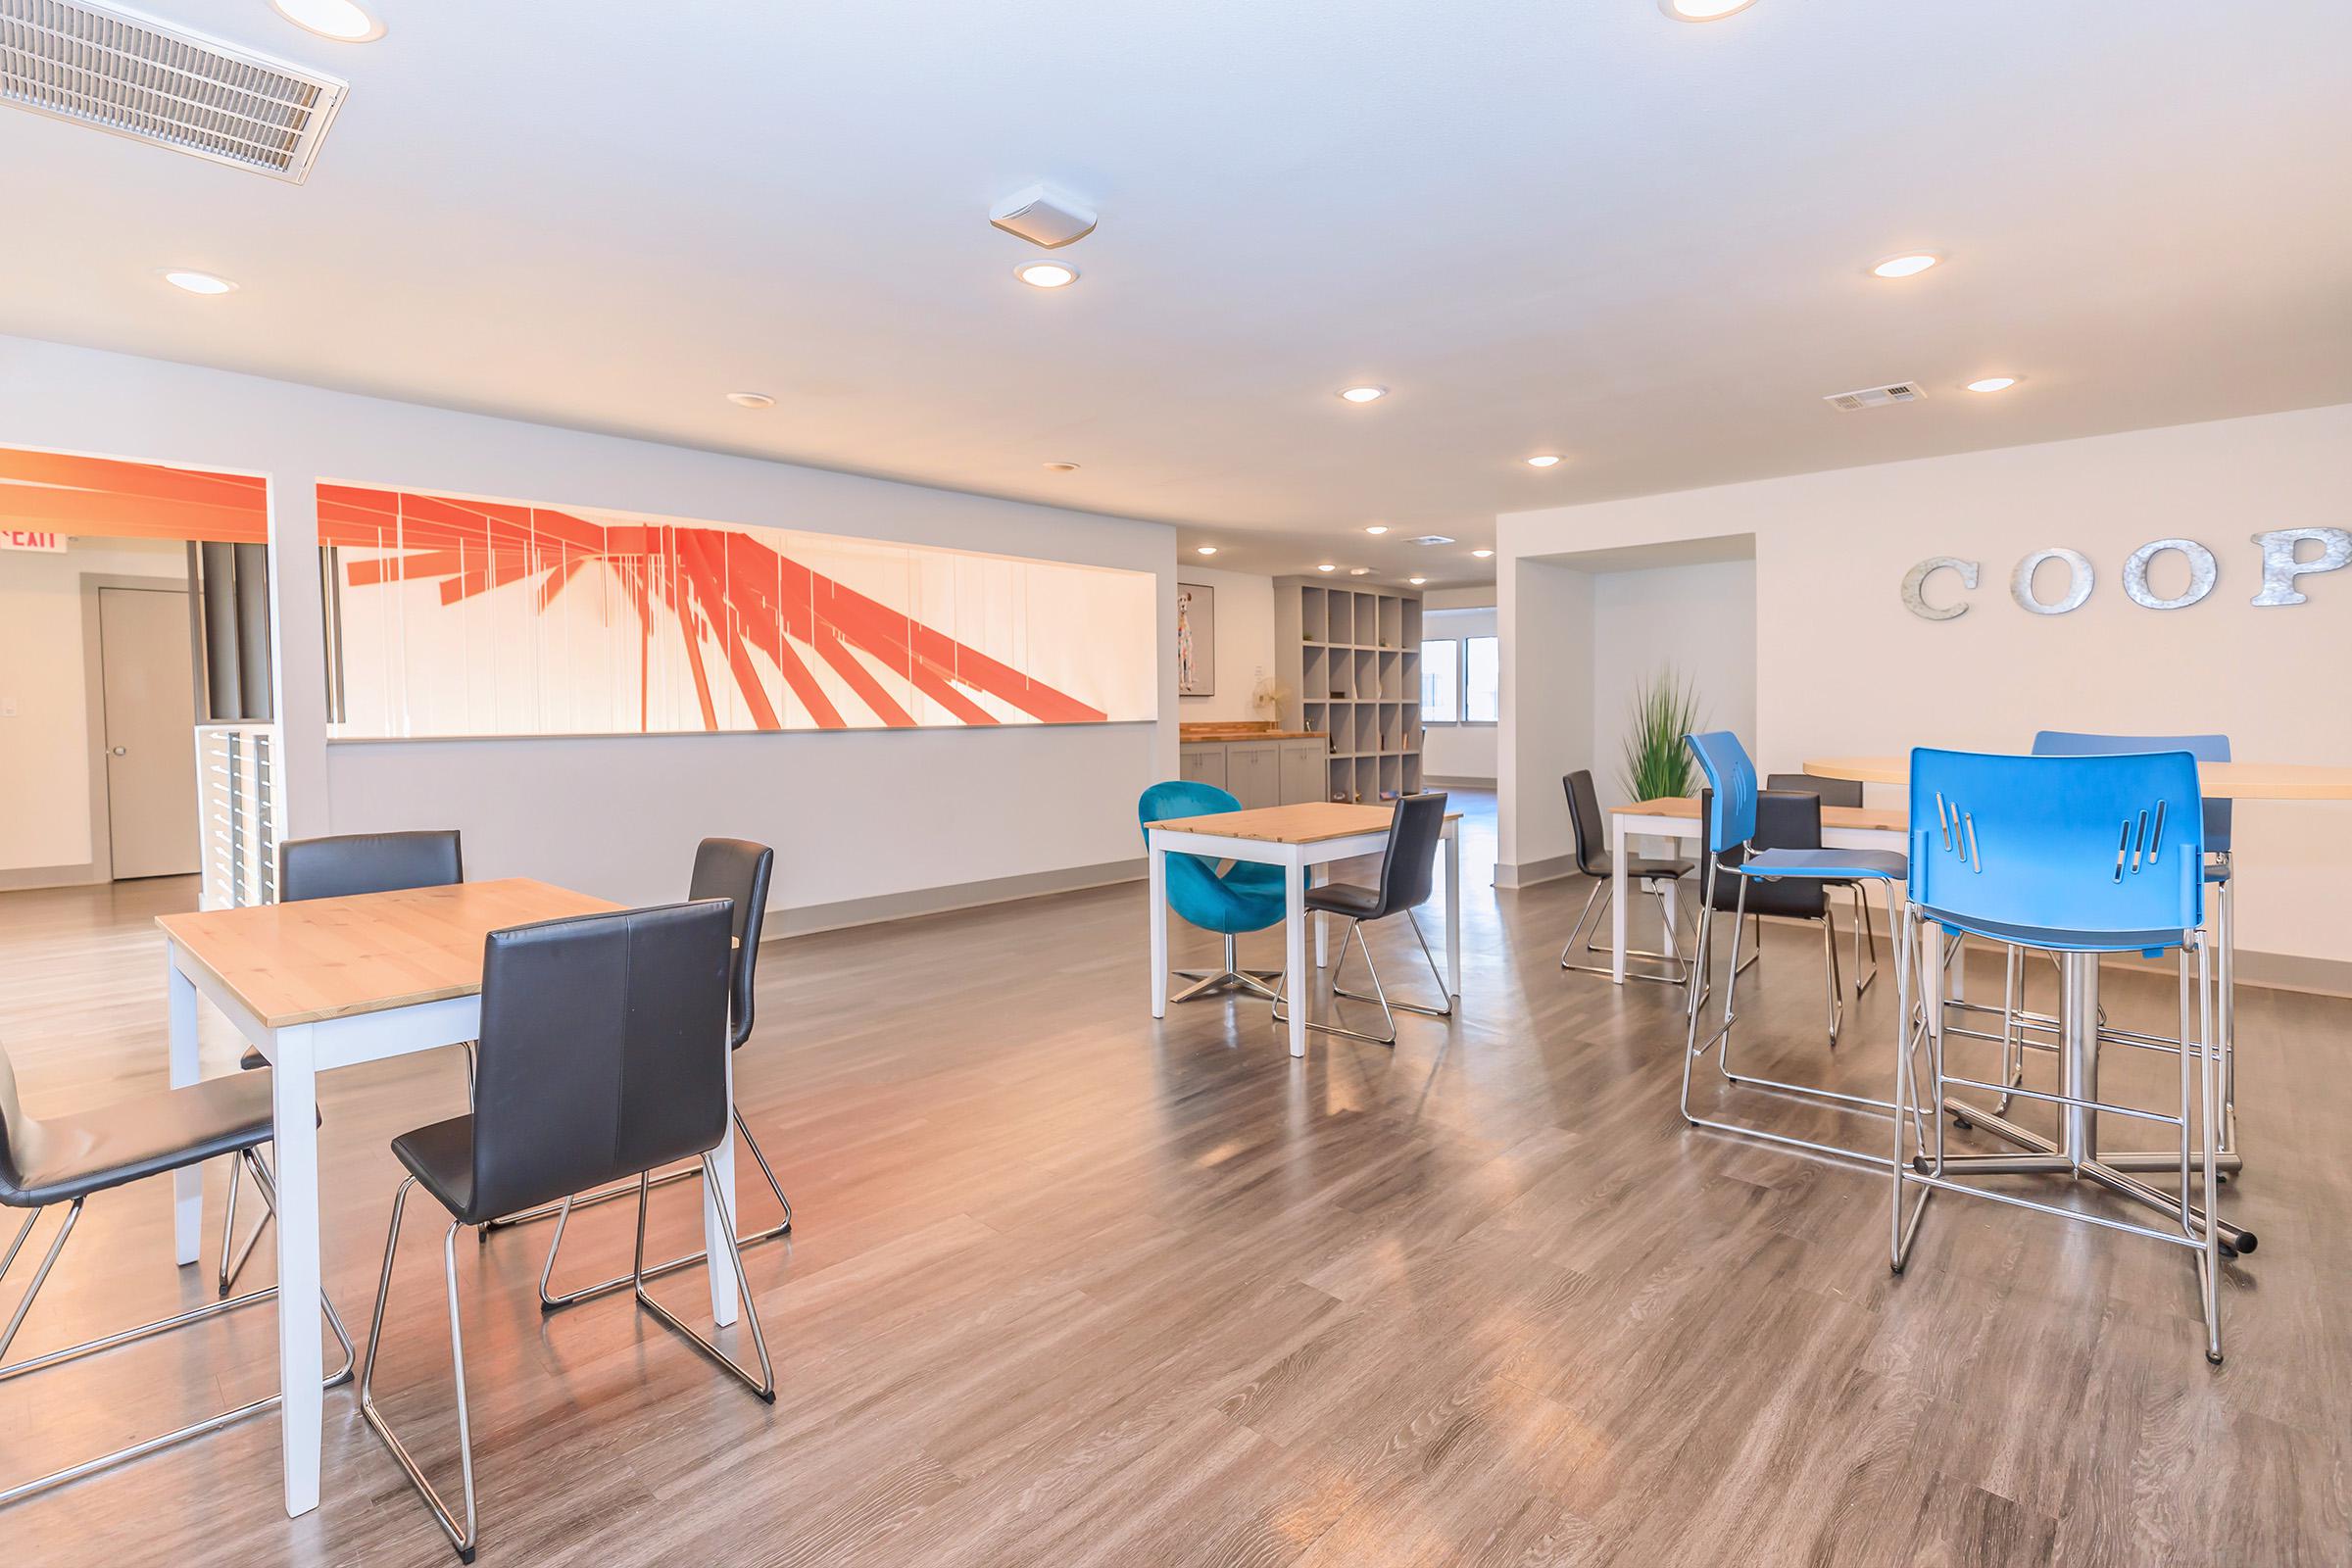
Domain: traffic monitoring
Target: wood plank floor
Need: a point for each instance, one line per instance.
(1070, 1287)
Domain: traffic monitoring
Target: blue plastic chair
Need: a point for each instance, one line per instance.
(2205, 749)
(2081, 855)
(1248, 897)
(1730, 826)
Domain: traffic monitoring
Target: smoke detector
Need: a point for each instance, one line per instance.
(1040, 214)
(1872, 396)
(132, 75)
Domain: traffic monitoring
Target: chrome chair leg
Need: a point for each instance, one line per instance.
(589, 1293)
(74, 1352)
(464, 1539)
(1233, 977)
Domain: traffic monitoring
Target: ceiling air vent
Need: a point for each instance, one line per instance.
(130, 74)
(1870, 397)
(1431, 539)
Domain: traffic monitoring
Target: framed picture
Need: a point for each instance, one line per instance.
(1195, 640)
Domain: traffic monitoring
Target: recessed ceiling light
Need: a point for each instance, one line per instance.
(199, 282)
(1326, 566)
(1047, 274)
(1994, 383)
(338, 19)
(1377, 528)
(1482, 553)
(1702, 10)
(1363, 394)
(1544, 460)
(1416, 582)
(1062, 467)
(1359, 571)
(1906, 265)
(751, 400)
(1204, 550)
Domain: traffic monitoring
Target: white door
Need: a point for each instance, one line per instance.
(150, 743)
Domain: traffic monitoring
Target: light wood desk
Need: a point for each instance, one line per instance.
(1843, 827)
(330, 983)
(1297, 838)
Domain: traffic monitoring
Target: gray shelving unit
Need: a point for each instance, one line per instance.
(1351, 659)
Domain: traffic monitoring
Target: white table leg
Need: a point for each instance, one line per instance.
(724, 1286)
(187, 1182)
(1454, 910)
(1617, 893)
(300, 1332)
(1293, 940)
(1158, 857)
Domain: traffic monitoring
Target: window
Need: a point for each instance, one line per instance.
(1440, 682)
(1481, 680)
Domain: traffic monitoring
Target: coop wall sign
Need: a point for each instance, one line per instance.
(2283, 562)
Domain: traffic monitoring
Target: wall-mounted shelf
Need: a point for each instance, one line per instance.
(1351, 659)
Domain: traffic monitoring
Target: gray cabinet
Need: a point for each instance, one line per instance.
(1274, 771)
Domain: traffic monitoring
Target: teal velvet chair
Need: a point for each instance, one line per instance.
(1246, 898)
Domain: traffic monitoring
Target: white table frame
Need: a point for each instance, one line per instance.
(1625, 821)
(1297, 861)
(300, 1052)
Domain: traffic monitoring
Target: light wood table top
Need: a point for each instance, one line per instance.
(1866, 818)
(1307, 822)
(296, 963)
(2219, 781)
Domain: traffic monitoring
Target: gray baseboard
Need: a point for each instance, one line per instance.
(1528, 874)
(27, 878)
(815, 917)
(1457, 782)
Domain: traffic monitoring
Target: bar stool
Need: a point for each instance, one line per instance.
(68, 1158)
(1730, 831)
(340, 867)
(737, 870)
(1592, 858)
(603, 1055)
(1408, 872)
(2081, 855)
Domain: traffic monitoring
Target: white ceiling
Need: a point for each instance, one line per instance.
(1572, 224)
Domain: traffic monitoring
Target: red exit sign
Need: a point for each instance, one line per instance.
(17, 539)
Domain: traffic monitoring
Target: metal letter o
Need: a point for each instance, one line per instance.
(2200, 573)
(1915, 583)
(2078, 588)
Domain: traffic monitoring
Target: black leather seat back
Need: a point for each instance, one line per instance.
(1832, 791)
(737, 869)
(1786, 819)
(603, 1053)
(367, 863)
(1584, 821)
(1408, 867)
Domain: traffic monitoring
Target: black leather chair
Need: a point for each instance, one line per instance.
(603, 1055)
(723, 868)
(1593, 859)
(337, 868)
(1786, 819)
(1407, 875)
(65, 1160)
(1846, 792)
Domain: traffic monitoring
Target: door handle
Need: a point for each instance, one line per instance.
(120, 751)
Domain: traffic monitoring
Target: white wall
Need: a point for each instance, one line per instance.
(1457, 750)
(1701, 620)
(852, 816)
(1843, 667)
(46, 750)
(1244, 644)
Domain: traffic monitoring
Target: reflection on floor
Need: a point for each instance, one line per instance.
(1073, 1287)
